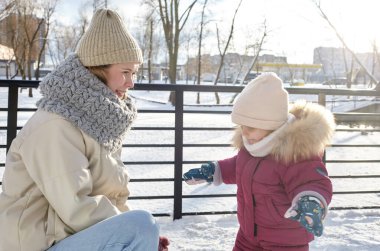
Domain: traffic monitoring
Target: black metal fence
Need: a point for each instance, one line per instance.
(180, 109)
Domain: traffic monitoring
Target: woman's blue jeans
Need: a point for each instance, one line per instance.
(133, 230)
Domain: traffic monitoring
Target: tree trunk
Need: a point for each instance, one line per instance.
(200, 49)
(171, 22)
(173, 76)
(150, 52)
(222, 54)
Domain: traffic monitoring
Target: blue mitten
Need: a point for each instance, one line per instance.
(200, 175)
(309, 211)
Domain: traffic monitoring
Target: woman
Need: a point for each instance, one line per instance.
(65, 186)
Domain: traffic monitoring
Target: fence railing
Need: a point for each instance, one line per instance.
(179, 110)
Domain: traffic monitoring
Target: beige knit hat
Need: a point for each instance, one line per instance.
(107, 41)
(263, 103)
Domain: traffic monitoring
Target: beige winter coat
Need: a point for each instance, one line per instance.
(57, 195)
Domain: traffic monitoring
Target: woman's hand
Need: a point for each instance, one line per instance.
(163, 244)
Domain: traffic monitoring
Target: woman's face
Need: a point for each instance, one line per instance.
(121, 77)
(254, 135)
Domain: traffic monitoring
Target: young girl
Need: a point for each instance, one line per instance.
(65, 186)
(283, 190)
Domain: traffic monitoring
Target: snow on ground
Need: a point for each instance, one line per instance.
(350, 230)
(344, 230)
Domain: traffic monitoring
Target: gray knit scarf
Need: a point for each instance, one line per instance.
(74, 93)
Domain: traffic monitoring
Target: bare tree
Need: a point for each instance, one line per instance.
(36, 30)
(64, 38)
(189, 39)
(63, 41)
(324, 16)
(239, 67)
(254, 59)
(6, 7)
(82, 24)
(348, 70)
(151, 22)
(374, 62)
(258, 50)
(150, 38)
(28, 24)
(223, 53)
(202, 25)
(242, 59)
(14, 38)
(150, 50)
(173, 23)
(48, 11)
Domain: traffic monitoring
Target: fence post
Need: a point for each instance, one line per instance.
(322, 101)
(178, 154)
(12, 113)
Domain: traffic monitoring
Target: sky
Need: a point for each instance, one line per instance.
(295, 27)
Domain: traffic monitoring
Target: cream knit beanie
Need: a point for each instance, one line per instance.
(107, 41)
(263, 103)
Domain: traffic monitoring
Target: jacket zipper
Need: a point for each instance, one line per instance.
(254, 224)
(253, 197)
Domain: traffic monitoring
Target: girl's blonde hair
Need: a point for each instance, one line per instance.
(237, 141)
(100, 71)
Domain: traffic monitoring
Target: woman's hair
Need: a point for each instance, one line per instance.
(100, 71)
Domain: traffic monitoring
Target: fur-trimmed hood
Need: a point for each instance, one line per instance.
(304, 138)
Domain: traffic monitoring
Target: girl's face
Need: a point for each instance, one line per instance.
(254, 135)
(121, 77)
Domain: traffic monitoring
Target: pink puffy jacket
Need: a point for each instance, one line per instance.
(265, 190)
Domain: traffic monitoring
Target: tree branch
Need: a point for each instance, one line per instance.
(318, 5)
